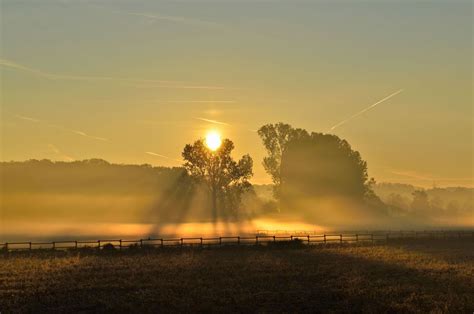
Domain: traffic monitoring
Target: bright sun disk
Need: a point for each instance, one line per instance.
(213, 140)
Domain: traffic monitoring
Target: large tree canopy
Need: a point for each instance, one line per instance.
(313, 166)
(323, 165)
(226, 178)
(275, 138)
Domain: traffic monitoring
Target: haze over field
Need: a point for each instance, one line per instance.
(46, 200)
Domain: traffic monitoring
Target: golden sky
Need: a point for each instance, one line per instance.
(134, 81)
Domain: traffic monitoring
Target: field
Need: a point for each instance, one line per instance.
(398, 276)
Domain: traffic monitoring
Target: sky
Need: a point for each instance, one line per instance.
(134, 81)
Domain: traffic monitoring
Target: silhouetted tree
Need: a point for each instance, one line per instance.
(398, 201)
(453, 207)
(226, 179)
(323, 165)
(420, 201)
(275, 138)
(315, 165)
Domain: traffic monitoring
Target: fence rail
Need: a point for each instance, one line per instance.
(260, 238)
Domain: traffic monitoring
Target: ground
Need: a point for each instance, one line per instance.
(399, 276)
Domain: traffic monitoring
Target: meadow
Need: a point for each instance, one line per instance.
(410, 276)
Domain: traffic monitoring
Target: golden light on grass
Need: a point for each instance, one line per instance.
(213, 140)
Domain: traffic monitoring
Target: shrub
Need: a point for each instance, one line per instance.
(108, 247)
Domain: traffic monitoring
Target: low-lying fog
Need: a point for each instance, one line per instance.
(57, 201)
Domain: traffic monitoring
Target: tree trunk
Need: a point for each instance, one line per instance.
(214, 204)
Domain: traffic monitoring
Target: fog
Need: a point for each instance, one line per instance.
(95, 199)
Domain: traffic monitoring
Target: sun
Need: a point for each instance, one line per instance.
(213, 140)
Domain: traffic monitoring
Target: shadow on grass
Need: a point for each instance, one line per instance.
(278, 278)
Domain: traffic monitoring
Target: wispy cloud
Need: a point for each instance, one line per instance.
(162, 156)
(175, 19)
(45, 123)
(60, 154)
(212, 121)
(154, 83)
(364, 110)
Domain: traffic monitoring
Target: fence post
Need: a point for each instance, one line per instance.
(308, 238)
(274, 239)
(54, 245)
(201, 242)
(75, 244)
(98, 241)
(324, 238)
(162, 243)
(238, 240)
(120, 245)
(141, 243)
(220, 241)
(340, 238)
(30, 246)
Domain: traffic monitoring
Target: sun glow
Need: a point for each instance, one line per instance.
(213, 140)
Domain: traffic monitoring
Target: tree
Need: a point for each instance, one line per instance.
(275, 138)
(323, 165)
(398, 201)
(225, 178)
(317, 174)
(420, 202)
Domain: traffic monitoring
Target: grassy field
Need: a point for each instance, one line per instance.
(404, 276)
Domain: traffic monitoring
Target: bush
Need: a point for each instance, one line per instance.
(287, 243)
(108, 247)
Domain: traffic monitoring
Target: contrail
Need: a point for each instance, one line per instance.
(176, 19)
(366, 109)
(212, 121)
(53, 76)
(56, 150)
(89, 136)
(60, 127)
(161, 156)
(27, 118)
(420, 176)
(200, 101)
(157, 83)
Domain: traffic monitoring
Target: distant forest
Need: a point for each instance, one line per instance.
(96, 190)
(406, 198)
(128, 186)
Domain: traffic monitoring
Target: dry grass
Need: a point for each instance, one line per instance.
(421, 276)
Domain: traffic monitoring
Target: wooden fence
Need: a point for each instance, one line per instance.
(261, 238)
